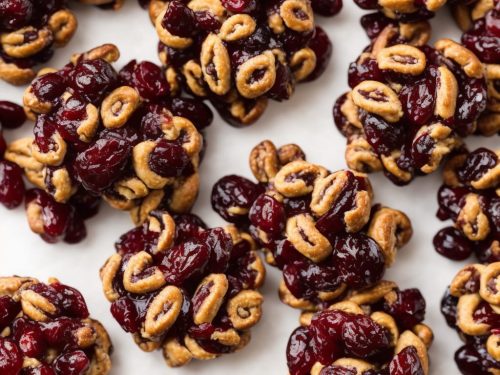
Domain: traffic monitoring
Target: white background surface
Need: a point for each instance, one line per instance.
(305, 119)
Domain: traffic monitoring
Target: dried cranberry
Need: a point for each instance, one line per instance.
(449, 201)
(194, 110)
(240, 6)
(474, 360)
(93, 79)
(179, 20)
(184, 261)
(72, 363)
(477, 163)
(299, 356)
(452, 244)
(102, 163)
(232, 192)
(364, 71)
(125, 313)
(48, 87)
(8, 310)
(362, 337)
(11, 360)
(358, 259)
(268, 214)
(406, 362)
(327, 7)
(31, 342)
(220, 245)
(11, 184)
(187, 227)
(408, 307)
(449, 308)
(11, 115)
(169, 159)
(149, 80)
(322, 47)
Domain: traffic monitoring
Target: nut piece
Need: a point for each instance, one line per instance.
(139, 278)
(216, 65)
(264, 161)
(462, 56)
(246, 82)
(297, 178)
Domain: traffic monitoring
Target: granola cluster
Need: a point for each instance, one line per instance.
(479, 20)
(410, 103)
(116, 135)
(470, 197)
(46, 329)
(374, 331)
(471, 305)
(239, 54)
(319, 227)
(184, 289)
(29, 31)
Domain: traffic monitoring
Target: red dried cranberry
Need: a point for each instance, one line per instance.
(169, 159)
(449, 201)
(362, 337)
(187, 227)
(102, 163)
(72, 302)
(452, 244)
(338, 370)
(474, 360)
(374, 23)
(11, 115)
(322, 47)
(326, 330)
(234, 191)
(11, 359)
(11, 184)
(93, 79)
(406, 362)
(15, 13)
(194, 110)
(148, 79)
(358, 259)
(39, 370)
(268, 214)
(125, 313)
(326, 7)
(55, 216)
(477, 163)
(408, 309)
(240, 6)
(31, 342)
(8, 310)
(382, 135)
(71, 363)
(299, 356)
(48, 87)
(419, 100)
(480, 40)
(179, 20)
(449, 308)
(220, 245)
(184, 261)
(364, 71)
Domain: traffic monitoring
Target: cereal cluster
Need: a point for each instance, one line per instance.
(470, 197)
(115, 135)
(187, 290)
(410, 103)
(320, 228)
(471, 305)
(45, 329)
(376, 331)
(29, 30)
(479, 20)
(239, 54)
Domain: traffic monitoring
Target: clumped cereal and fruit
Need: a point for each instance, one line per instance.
(410, 11)
(102, 133)
(378, 331)
(470, 197)
(320, 228)
(410, 103)
(480, 21)
(29, 31)
(184, 289)
(46, 330)
(471, 305)
(239, 54)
